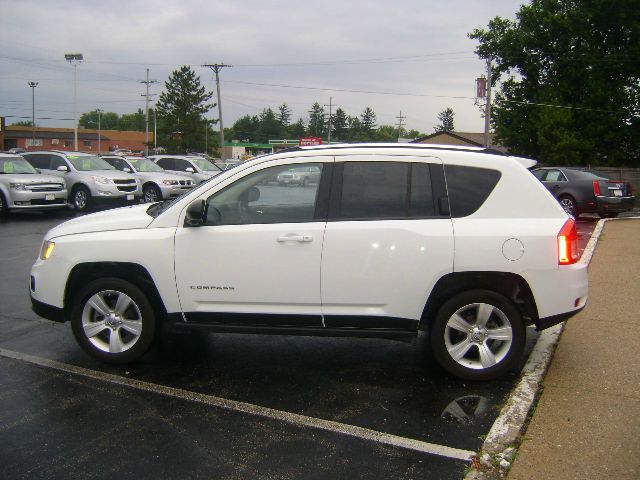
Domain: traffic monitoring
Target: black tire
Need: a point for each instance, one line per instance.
(151, 194)
(3, 205)
(81, 198)
(122, 336)
(569, 204)
(459, 328)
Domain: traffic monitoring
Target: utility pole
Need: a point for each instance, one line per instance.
(330, 119)
(216, 67)
(99, 111)
(487, 108)
(147, 82)
(155, 133)
(74, 59)
(400, 121)
(33, 86)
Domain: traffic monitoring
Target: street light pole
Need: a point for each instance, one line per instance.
(99, 136)
(74, 59)
(33, 86)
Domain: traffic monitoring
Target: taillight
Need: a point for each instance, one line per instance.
(596, 188)
(568, 243)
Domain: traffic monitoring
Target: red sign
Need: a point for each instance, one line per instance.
(310, 141)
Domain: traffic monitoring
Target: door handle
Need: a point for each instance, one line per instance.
(295, 238)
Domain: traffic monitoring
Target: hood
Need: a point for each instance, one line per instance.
(30, 178)
(159, 176)
(113, 174)
(125, 218)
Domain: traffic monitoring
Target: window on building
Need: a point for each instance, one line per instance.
(34, 142)
(86, 143)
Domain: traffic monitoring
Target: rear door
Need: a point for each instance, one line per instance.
(389, 238)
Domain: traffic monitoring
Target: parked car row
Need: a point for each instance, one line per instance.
(58, 179)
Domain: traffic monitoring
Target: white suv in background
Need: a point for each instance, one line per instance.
(392, 240)
(22, 188)
(88, 178)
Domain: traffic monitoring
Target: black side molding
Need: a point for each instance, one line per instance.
(547, 322)
(48, 311)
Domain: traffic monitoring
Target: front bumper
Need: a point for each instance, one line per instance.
(48, 311)
(25, 199)
(173, 191)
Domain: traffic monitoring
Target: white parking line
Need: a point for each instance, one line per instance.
(256, 410)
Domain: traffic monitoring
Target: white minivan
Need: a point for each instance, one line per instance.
(391, 240)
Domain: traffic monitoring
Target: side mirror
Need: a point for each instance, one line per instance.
(62, 168)
(190, 170)
(194, 216)
(126, 169)
(38, 170)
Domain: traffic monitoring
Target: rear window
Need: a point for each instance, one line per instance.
(469, 187)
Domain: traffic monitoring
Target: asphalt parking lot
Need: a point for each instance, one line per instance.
(226, 406)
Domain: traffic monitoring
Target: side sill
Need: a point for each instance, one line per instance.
(547, 322)
(389, 334)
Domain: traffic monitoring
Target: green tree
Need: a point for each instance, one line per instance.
(445, 117)
(284, 115)
(368, 123)
(569, 80)
(269, 127)
(181, 111)
(246, 129)
(297, 130)
(386, 133)
(108, 120)
(22, 123)
(316, 120)
(133, 121)
(339, 125)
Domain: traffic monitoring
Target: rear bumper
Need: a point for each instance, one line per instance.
(547, 322)
(615, 204)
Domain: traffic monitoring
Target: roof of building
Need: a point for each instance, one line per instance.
(471, 138)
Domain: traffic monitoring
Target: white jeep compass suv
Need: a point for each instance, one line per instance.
(462, 243)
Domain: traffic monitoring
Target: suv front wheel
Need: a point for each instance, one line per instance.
(478, 335)
(113, 320)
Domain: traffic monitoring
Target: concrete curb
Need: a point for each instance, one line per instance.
(498, 447)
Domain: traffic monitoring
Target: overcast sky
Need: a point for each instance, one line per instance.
(407, 55)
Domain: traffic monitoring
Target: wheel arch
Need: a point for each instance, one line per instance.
(83, 273)
(76, 186)
(510, 285)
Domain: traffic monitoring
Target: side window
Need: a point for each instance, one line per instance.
(57, 162)
(469, 187)
(181, 165)
(374, 190)
(555, 176)
(38, 160)
(540, 174)
(263, 197)
(166, 163)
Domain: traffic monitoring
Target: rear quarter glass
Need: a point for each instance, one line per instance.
(469, 187)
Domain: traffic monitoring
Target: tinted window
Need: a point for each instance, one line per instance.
(540, 174)
(38, 160)
(57, 162)
(469, 187)
(166, 163)
(374, 190)
(555, 176)
(259, 198)
(182, 165)
(421, 191)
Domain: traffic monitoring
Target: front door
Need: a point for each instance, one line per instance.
(256, 261)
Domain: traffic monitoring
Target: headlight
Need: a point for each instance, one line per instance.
(171, 182)
(101, 180)
(47, 249)
(18, 186)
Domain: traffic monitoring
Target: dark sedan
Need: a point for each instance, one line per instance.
(580, 191)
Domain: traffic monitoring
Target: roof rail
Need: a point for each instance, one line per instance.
(413, 146)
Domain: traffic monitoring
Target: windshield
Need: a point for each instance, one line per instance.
(205, 165)
(15, 165)
(145, 165)
(85, 163)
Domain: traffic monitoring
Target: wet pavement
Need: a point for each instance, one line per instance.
(55, 424)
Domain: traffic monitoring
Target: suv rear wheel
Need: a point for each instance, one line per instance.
(113, 320)
(478, 335)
